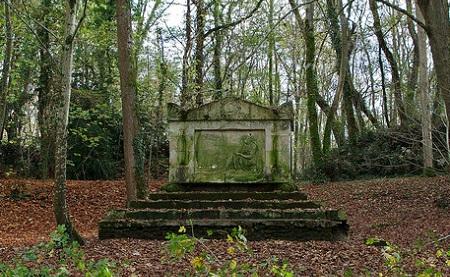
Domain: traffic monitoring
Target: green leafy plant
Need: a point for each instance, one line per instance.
(396, 260)
(58, 257)
(205, 262)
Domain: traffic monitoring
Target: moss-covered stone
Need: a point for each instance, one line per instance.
(288, 186)
(230, 141)
(173, 187)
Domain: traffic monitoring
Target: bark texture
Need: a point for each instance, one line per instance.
(436, 15)
(61, 209)
(5, 68)
(46, 118)
(199, 57)
(185, 94)
(132, 144)
(422, 91)
(391, 60)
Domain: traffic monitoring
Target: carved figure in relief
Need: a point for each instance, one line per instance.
(246, 156)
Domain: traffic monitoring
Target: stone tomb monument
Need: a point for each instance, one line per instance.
(230, 141)
(230, 161)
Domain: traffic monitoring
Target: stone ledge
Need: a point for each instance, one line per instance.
(237, 204)
(284, 229)
(227, 195)
(182, 214)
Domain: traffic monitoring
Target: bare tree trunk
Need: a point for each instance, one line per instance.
(217, 55)
(128, 94)
(270, 50)
(161, 90)
(185, 95)
(5, 68)
(390, 57)
(62, 105)
(422, 91)
(199, 57)
(436, 15)
(413, 74)
(383, 90)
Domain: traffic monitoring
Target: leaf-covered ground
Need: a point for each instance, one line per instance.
(408, 212)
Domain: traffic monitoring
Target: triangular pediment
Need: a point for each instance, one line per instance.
(230, 108)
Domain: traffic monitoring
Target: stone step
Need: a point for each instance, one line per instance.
(114, 226)
(227, 195)
(183, 214)
(226, 204)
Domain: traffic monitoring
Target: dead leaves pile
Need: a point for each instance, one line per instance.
(408, 212)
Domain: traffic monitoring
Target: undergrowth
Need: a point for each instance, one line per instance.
(402, 263)
(204, 262)
(57, 257)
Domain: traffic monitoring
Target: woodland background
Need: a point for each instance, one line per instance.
(369, 101)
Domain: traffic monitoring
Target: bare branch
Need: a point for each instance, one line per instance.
(405, 12)
(234, 23)
(33, 31)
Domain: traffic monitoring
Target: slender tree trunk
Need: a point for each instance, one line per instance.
(270, 50)
(4, 82)
(342, 72)
(199, 57)
(338, 130)
(422, 91)
(62, 105)
(217, 55)
(343, 60)
(46, 118)
(161, 90)
(185, 94)
(132, 144)
(394, 67)
(277, 79)
(413, 73)
(383, 89)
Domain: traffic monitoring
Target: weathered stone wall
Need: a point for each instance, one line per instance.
(230, 141)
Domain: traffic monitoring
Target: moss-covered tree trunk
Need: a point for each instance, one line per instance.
(311, 86)
(307, 27)
(45, 116)
(338, 39)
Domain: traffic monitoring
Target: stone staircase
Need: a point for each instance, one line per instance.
(263, 215)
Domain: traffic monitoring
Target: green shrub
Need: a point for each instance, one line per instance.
(377, 153)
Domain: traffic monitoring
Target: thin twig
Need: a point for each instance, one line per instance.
(234, 23)
(405, 12)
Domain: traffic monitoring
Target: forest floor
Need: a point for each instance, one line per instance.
(405, 211)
